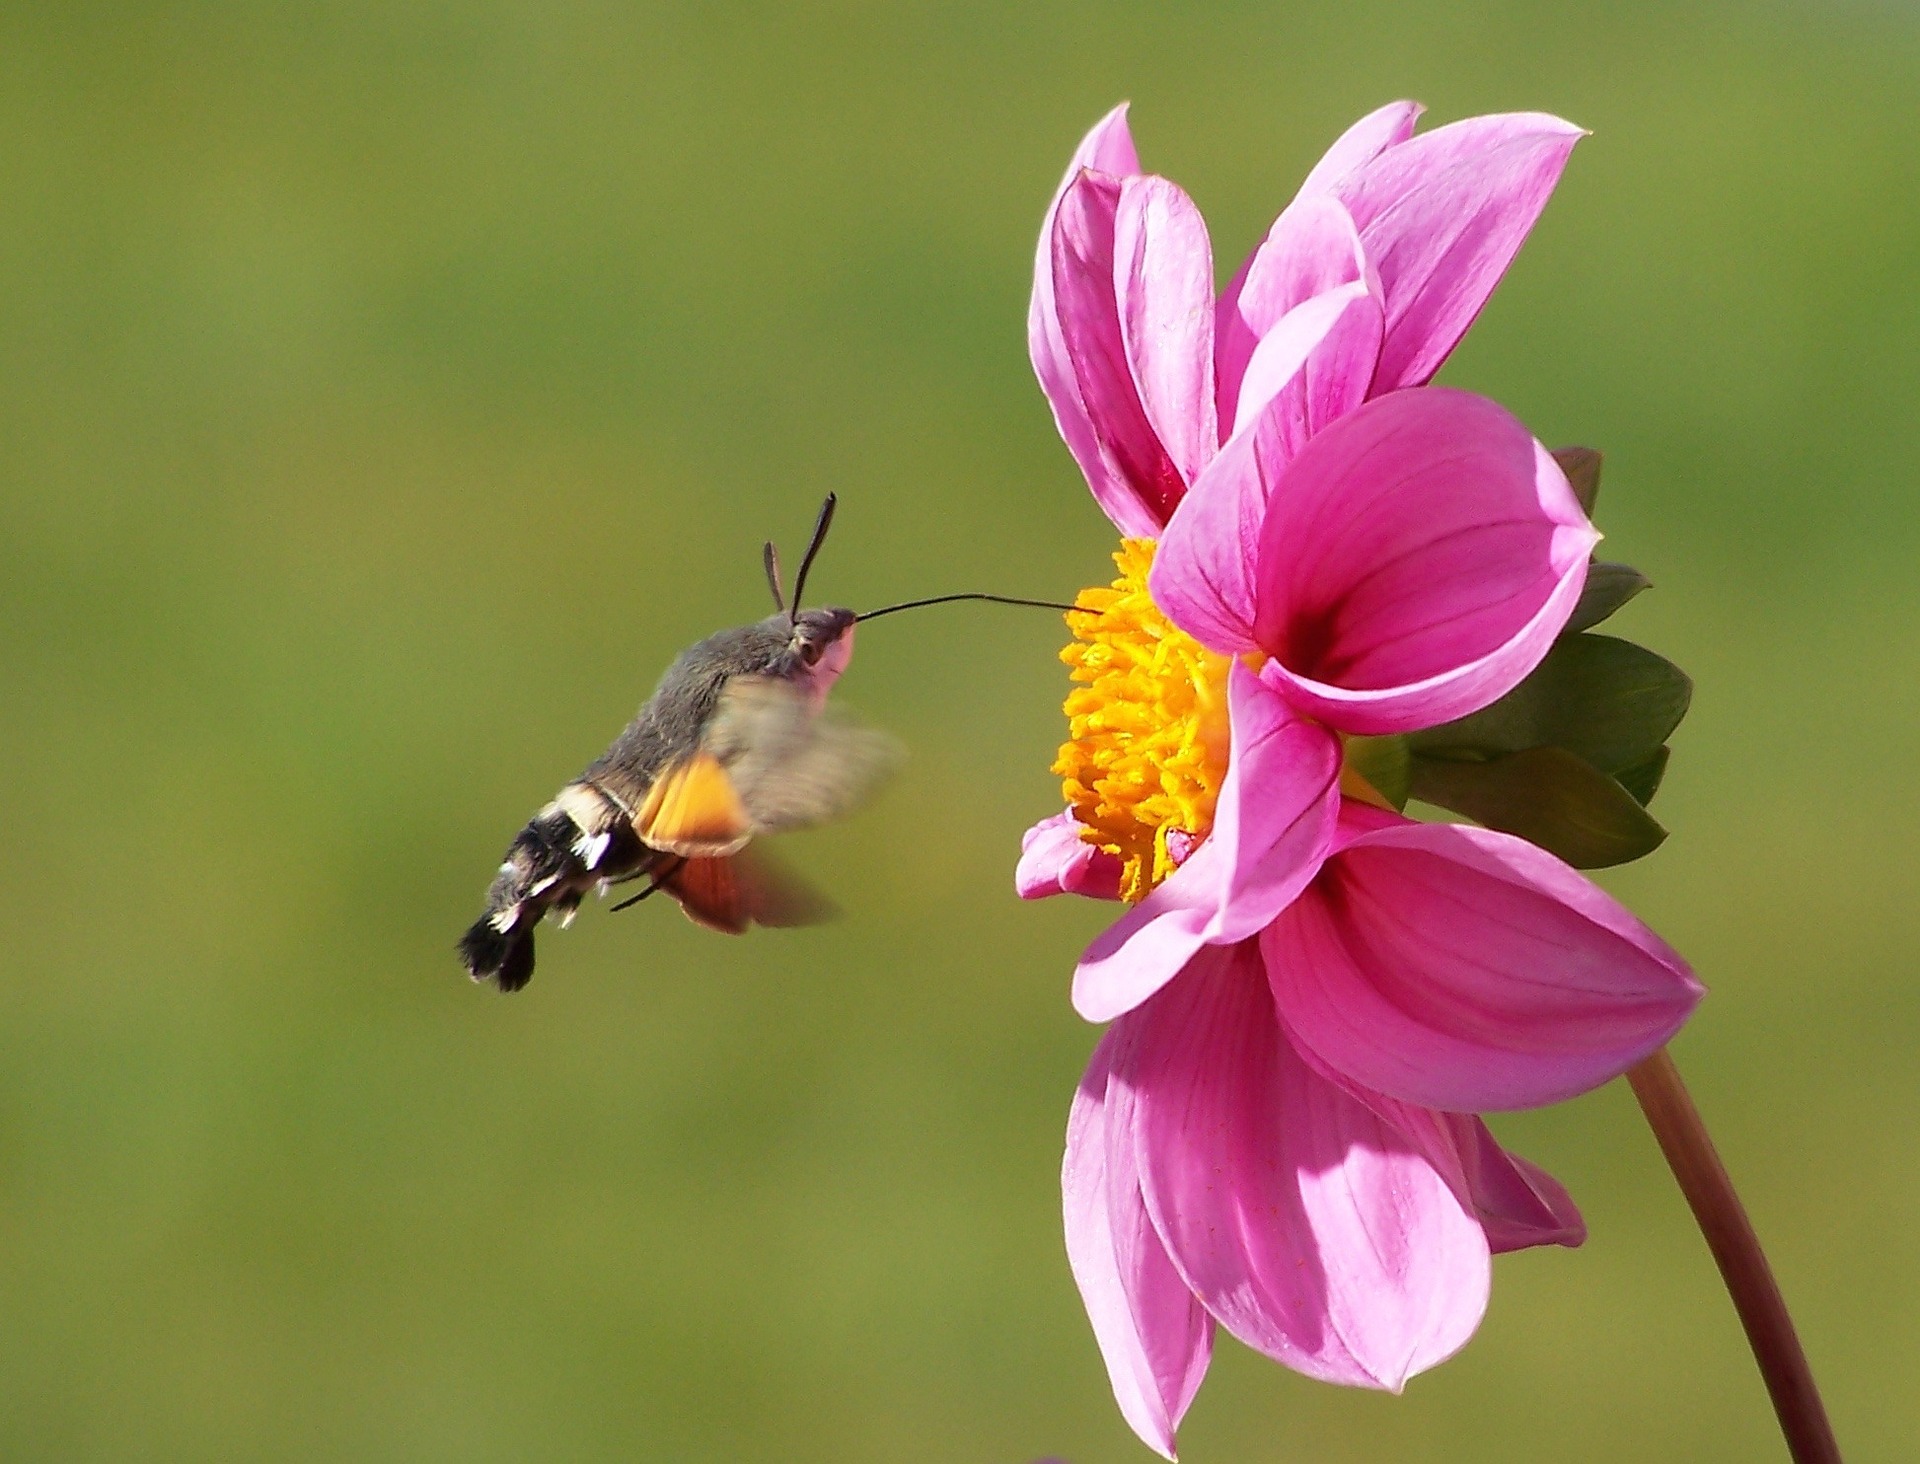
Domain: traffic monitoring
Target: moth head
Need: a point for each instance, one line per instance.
(821, 645)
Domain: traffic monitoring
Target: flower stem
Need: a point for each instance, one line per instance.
(1736, 1250)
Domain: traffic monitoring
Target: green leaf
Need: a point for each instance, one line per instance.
(1385, 762)
(1548, 797)
(1609, 586)
(1582, 467)
(1605, 700)
(1643, 779)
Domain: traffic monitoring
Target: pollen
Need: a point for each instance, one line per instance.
(1147, 731)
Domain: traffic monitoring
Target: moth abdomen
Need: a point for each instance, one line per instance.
(505, 959)
(573, 844)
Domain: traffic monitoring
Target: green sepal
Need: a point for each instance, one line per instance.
(1609, 586)
(1386, 763)
(1643, 779)
(1547, 796)
(1582, 467)
(1605, 700)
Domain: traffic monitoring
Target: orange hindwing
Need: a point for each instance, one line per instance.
(693, 810)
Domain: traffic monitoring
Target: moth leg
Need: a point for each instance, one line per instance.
(660, 878)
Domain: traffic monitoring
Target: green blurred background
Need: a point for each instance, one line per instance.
(388, 390)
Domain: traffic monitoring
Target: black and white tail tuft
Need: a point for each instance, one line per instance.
(505, 960)
(567, 848)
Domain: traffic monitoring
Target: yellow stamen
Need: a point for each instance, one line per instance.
(1147, 734)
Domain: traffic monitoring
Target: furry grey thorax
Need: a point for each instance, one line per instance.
(809, 649)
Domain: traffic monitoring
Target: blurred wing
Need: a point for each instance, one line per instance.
(749, 888)
(793, 766)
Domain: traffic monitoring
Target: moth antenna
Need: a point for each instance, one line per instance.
(820, 527)
(770, 557)
(991, 599)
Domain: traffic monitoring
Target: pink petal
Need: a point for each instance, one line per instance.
(1155, 1337)
(1273, 823)
(1312, 247)
(1281, 272)
(1321, 371)
(1441, 217)
(1312, 366)
(1163, 281)
(1309, 1227)
(1361, 143)
(1055, 860)
(1462, 969)
(1417, 560)
(1519, 1204)
(1149, 945)
(1109, 149)
(1134, 479)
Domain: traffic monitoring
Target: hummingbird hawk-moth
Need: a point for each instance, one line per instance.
(736, 741)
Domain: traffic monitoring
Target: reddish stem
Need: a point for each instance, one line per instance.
(1736, 1250)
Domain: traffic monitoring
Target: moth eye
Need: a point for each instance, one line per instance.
(809, 652)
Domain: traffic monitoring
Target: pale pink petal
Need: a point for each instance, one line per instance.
(1463, 969)
(1310, 368)
(1320, 383)
(1441, 217)
(1361, 143)
(1518, 1204)
(1279, 802)
(1136, 482)
(1147, 947)
(1312, 248)
(1055, 860)
(1417, 560)
(1155, 1337)
(1108, 149)
(1273, 823)
(1163, 281)
(1310, 1228)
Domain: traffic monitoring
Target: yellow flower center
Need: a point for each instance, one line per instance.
(1147, 733)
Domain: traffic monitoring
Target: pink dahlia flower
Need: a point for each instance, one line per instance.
(1311, 994)
(1363, 285)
